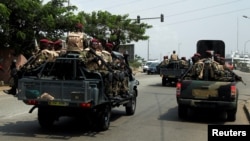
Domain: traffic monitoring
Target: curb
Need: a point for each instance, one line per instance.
(246, 108)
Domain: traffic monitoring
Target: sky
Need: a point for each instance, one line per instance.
(185, 22)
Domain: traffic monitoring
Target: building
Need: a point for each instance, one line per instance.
(130, 48)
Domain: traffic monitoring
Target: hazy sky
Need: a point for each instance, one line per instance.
(185, 22)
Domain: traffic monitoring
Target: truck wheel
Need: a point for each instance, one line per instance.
(131, 106)
(164, 81)
(231, 115)
(45, 118)
(103, 118)
(182, 111)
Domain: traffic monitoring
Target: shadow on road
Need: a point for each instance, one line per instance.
(64, 129)
(206, 116)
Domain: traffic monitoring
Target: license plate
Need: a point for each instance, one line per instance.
(204, 94)
(58, 103)
(171, 76)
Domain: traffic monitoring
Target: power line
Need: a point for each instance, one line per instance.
(122, 4)
(195, 19)
(200, 9)
(161, 5)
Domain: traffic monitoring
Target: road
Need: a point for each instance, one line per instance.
(155, 119)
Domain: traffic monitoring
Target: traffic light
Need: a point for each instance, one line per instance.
(138, 19)
(162, 18)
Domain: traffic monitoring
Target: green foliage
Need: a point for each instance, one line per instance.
(122, 29)
(137, 62)
(21, 21)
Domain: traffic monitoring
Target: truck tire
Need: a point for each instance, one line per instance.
(45, 118)
(182, 111)
(231, 115)
(103, 118)
(131, 106)
(164, 81)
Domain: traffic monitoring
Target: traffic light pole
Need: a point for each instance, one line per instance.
(139, 18)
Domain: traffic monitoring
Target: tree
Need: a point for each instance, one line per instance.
(25, 20)
(122, 29)
(22, 21)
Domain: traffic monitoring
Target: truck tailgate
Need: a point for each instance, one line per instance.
(171, 72)
(66, 91)
(205, 90)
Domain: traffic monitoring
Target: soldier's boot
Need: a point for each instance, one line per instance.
(10, 91)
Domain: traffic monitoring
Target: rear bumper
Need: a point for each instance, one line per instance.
(220, 105)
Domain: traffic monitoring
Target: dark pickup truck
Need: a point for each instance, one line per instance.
(221, 94)
(171, 72)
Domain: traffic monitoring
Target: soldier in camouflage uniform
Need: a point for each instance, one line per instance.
(165, 61)
(40, 56)
(184, 62)
(32, 63)
(197, 68)
(211, 67)
(98, 60)
(90, 58)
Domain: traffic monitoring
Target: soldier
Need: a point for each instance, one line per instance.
(174, 56)
(58, 46)
(165, 61)
(184, 62)
(212, 67)
(91, 56)
(111, 84)
(197, 68)
(76, 39)
(13, 79)
(39, 56)
(107, 53)
(48, 52)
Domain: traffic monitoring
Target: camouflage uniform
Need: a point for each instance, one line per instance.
(184, 62)
(209, 68)
(120, 79)
(40, 56)
(197, 70)
(99, 64)
(165, 61)
(108, 75)
(75, 39)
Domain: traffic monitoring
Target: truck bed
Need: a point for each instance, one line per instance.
(200, 89)
(171, 72)
(59, 93)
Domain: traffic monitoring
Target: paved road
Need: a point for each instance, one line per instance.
(155, 118)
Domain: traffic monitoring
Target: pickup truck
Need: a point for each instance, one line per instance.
(221, 94)
(171, 72)
(65, 87)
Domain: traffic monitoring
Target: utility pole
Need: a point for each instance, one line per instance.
(148, 49)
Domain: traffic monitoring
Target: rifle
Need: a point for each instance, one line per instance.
(237, 77)
(100, 58)
(32, 59)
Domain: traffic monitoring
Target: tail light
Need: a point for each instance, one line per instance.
(233, 91)
(178, 89)
(86, 105)
(31, 102)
